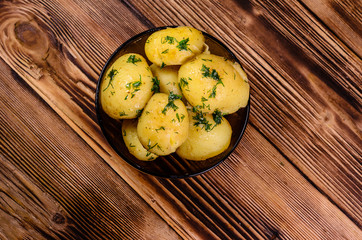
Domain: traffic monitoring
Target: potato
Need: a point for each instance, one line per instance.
(168, 78)
(126, 87)
(210, 82)
(174, 46)
(130, 138)
(163, 124)
(206, 138)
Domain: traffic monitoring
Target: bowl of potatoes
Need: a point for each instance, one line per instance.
(173, 101)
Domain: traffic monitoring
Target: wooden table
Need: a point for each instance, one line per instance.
(296, 173)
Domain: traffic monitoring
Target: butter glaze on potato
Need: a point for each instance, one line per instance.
(211, 82)
(174, 46)
(163, 127)
(126, 87)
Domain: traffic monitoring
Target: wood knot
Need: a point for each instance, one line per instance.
(58, 218)
(33, 38)
(27, 33)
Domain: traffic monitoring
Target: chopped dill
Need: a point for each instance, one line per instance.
(132, 59)
(217, 116)
(162, 65)
(156, 85)
(168, 39)
(171, 98)
(183, 45)
(111, 76)
(161, 128)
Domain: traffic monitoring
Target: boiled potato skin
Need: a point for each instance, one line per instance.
(162, 131)
(151, 100)
(174, 46)
(130, 138)
(168, 77)
(202, 144)
(126, 87)
(211, 82)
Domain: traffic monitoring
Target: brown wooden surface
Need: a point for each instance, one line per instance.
(296, 173)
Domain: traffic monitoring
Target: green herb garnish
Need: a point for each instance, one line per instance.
(111, 76)
(217, 116)
(168, 39)
(205, 71)
(132, 59)
(184, 82)
(137, 83)
(122, 114)
(159, 147)
(139, 112)
(156, 85)
(171, 98)
(199, 107)
(213, 92)
(183, 45)
(161, 128)
(164, 52)
(180, 119)
(201, 120)
(162, 65)
(149, 145)
(135, 86)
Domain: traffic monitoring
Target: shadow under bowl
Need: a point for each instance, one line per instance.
(170, 166)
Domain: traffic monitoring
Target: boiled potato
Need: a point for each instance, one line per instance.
(174, 46)
(130, 138)
(211, 82)
(206, 138)
(126, 87)
(163, 124)
(167, 77)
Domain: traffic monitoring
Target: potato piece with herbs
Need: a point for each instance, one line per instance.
(126, 87)
(163, 125)
(209, 135)
(130, 138)
(167, 76)
(174, 46)
(211, 82)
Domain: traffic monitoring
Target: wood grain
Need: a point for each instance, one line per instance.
(342, 18)
(300, 99)
(53, 186)
(299, 161)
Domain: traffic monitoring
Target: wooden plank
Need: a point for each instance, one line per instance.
(305, 86)
(343, 18)
(53, 185)
(239, 199)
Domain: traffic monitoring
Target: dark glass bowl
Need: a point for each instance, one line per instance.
(171, 166)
